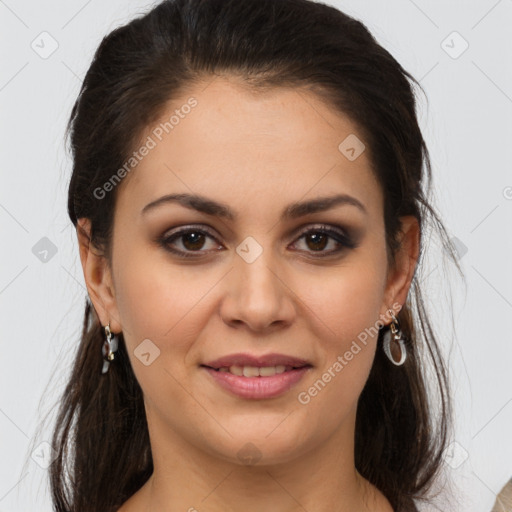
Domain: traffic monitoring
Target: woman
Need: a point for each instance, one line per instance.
(250, 191)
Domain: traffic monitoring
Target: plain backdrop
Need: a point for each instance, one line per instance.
(461, 53)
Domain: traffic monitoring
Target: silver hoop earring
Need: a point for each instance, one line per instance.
(108, 348)
(394, 329)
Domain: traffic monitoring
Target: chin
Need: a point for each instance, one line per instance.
(262, 446)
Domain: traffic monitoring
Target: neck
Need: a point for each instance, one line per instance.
(321, 479)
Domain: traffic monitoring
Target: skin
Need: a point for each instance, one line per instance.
(257, 153)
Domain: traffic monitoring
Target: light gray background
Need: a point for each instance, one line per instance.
(468, 128)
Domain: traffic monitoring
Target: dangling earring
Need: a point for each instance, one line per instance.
(108, 348)
(394, 329)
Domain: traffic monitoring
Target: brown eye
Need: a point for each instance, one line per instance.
(186, 242)
(190, 242)
(318, 241)
(193, 240)
(319, 238)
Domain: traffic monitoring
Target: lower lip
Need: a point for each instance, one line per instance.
(258, 387)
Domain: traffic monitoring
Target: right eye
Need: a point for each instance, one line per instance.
(191, 239)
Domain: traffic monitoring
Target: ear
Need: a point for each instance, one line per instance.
(400, 275)
(98, 278)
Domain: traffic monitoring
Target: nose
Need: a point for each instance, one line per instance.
(257, 295)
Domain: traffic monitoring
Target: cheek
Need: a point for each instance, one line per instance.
(144, 302)
(157, 302)
(161, 302)
(349, 300)
(346, 312)
(147, 300)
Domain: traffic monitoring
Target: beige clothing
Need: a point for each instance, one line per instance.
(504, 499)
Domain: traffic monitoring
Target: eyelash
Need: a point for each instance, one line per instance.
(337, 235)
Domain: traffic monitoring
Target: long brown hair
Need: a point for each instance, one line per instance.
(403, 421)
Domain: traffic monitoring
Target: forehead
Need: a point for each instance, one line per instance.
(221, 140)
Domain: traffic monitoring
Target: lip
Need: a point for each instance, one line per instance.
(257, 388)
(242, 359)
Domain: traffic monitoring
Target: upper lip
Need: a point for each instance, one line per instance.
(257, 361)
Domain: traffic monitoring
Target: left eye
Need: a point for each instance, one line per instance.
(192, 240)
(317, 239)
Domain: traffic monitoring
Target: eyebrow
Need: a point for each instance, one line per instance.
(292, 211)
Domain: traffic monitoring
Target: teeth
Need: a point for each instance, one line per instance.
(268, 371)
(236, 370)
(251, 371)
(254, 371)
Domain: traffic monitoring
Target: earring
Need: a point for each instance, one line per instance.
(108, 348)
(394, 329)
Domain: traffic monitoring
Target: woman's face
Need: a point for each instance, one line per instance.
(268, 276)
